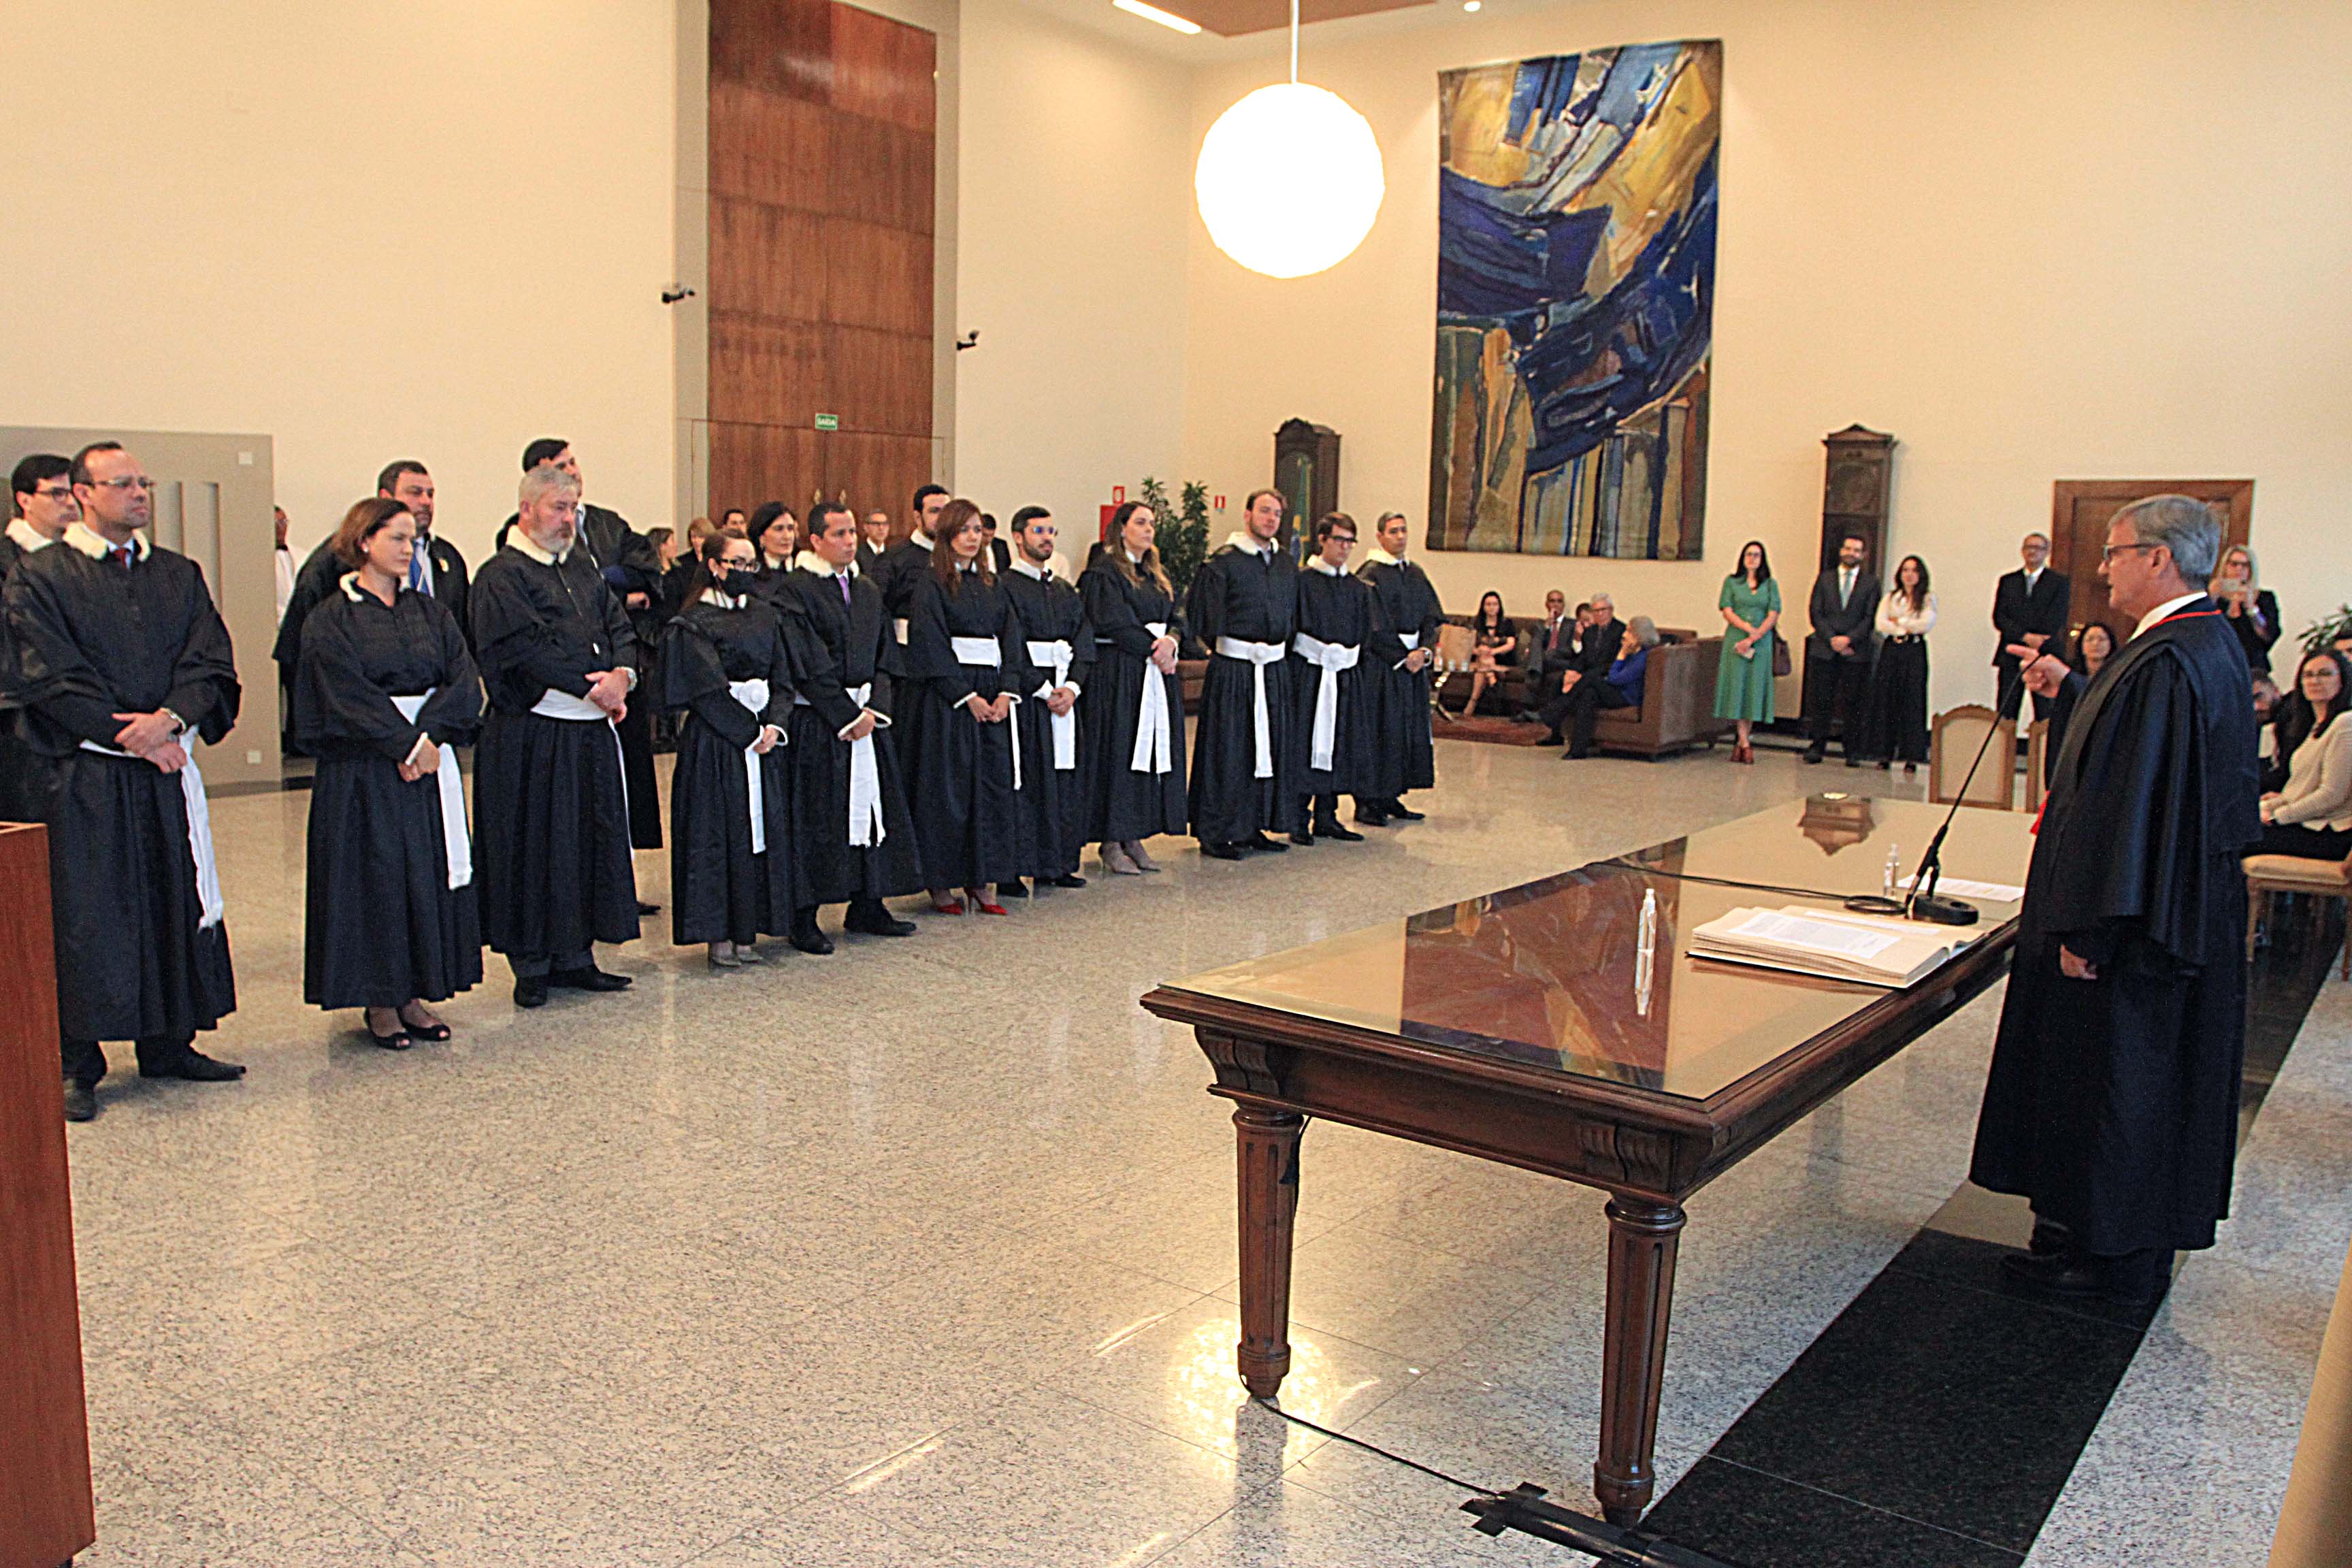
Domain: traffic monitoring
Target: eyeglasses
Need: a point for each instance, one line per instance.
(2112, 550)
(128, 482)
(54, 492)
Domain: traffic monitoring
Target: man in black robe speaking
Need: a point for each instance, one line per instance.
(120, 663)
(2113, 1098)
(1243, 604)
(550, 801)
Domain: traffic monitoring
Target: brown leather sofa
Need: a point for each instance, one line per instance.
(1677, 707)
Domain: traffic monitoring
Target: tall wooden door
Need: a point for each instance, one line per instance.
(822, 196)
(2082, 509)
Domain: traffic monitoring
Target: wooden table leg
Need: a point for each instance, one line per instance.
(1268, 1168)
(1642, 1237)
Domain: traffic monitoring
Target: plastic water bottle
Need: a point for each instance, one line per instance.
(1894, 872)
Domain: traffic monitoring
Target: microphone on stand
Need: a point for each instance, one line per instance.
(1922, 902)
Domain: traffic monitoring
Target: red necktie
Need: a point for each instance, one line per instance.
(121, 553)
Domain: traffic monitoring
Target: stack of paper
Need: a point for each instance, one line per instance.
(1877, 950)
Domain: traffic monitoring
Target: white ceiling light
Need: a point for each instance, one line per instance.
(1154, 14)
(1289, 179)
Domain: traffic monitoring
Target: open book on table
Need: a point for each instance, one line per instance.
(1877, 950)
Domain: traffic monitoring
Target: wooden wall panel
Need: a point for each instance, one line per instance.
(823, 140)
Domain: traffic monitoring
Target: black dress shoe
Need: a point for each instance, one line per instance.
(875, 919)
(1069, 879)
(530, 990)
(2050, 1237)
(1221, 851)
(1260, 841)
(1370, 819)
(1331, 829)
(1853, 761)
(1015, 889)
(1815, 753)
(82, 1101)
(2132, 1279)
(1552, 738)
(196, 1068)
(589, 978)
(1403, 813)
(645, 910)
(807, 938)
(1304, 840)
(398, 1040)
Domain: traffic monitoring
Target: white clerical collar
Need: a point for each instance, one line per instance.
(811, 561)
(714, 595)
(1317, 563)
(1245, 540)
(1376, 556)
(98, 547)
(920, 540)
(769, 562)
(2165, 609)
(1027, 568)
(518, 539)
(350, 584)
(28, 538)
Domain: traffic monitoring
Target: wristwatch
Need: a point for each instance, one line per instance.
(179, 725)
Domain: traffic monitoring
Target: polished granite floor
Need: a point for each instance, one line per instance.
(923, 1253)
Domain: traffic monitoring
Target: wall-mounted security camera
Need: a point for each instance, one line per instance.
(675, 293)
(971, 339)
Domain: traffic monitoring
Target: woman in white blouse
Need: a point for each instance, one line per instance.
(2312, 815)
(1899, 686)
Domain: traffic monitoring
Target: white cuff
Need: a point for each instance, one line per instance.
(1073, 688)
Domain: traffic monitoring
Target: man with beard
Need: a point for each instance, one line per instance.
(1061, 641)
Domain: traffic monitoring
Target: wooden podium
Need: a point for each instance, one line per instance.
(45, 1512)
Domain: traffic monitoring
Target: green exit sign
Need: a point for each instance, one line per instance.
(828, 421)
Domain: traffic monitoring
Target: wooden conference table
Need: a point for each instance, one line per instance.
(1517, 1026)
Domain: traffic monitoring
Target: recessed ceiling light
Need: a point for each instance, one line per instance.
(1154, 14)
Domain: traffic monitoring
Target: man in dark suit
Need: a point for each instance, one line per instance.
(2030, 606)
(1560, 671)
(1843, 610)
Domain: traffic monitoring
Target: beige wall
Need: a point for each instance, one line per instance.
(1071, 264)
(2100, 238)
(432, 229)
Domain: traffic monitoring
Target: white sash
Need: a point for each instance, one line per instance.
(456, 842)
(753, 695)
(987, 652)
(554, 704)
(1155, 750)
(1330, 659)
(200, 829)
(1411, 641)
(866, 830)
(1259, 654)
(1054, 659)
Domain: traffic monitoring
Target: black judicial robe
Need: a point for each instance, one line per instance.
(840, 646)
(1339, 609)
(89, 640)
(958, 770)
(321, 577)
(383, 926)
(551, 807)
(1253, 596)
(1403, 758)
(902, 566)
(1123, 805)
(1053, 825)
(720, 891)
(2113, 1104)
(24, 774)
(630, 564)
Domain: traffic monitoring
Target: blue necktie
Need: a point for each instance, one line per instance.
(419, 578)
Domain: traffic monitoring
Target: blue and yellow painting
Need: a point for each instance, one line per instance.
(1576, 215)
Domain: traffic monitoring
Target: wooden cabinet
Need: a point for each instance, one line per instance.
(1856, 481)
(45, 1511)
(1306, 472)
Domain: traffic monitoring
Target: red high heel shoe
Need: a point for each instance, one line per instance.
(947, 905)
(986, 905)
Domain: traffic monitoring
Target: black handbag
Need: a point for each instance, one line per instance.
(1780, 665)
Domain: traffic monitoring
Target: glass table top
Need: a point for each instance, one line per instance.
(1548, 974)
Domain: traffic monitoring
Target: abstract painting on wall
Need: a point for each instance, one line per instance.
(1575, 216)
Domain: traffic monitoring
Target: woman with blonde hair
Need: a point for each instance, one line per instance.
(2252, 608)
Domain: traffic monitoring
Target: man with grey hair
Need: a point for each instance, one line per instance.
(551, 798)
(1596, 650)
(2113, 1099)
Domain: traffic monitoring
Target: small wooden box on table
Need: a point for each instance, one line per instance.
(1523, 1027)
(45, 1512)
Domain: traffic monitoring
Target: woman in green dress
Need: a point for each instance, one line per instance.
(1750, 603)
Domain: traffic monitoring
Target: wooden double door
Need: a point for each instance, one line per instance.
(823, 197)
(2082, 509)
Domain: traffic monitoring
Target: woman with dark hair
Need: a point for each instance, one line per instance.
(775, 535)
(2310, 814)
(384, 692)
(727, 678)
(1493, 648)
(1132, 724)
(967, 662)
(2093, 646)
(1750, 603)
(1898, 683)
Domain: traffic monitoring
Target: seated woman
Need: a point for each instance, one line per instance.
(2093, 646)
(1495, 647)
(1622, 688)
(2312, 815)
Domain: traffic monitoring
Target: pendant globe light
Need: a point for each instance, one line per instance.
(1289, 178)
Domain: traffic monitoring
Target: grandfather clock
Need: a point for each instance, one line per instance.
(1306, 472)
(1855, 485)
